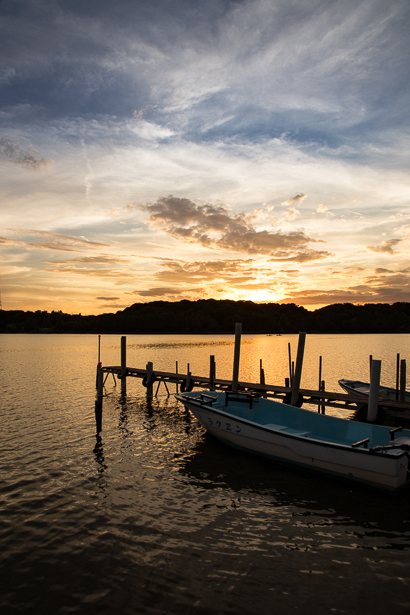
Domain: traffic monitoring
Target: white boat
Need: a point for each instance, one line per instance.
(372, 454)
(363, 389)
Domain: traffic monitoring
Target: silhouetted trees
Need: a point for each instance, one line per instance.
(217, 316)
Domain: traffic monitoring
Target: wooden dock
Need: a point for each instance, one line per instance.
(331, 399)
(294, 395)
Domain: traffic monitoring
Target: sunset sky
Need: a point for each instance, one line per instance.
(187, 149)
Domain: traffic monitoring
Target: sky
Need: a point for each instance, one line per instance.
(181, 149)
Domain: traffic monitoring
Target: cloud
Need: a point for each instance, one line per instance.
(28, 158)
(384, 287)
(292, 213)
(232, 271)
(87, 271)
(364, 295)
(54, 241)
(298, 198)
(95, 260)
(107, 298)
(305, 256)
(387, 247)
(164, 291)
(215, 227)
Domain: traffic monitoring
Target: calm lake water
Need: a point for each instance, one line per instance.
(157, 517)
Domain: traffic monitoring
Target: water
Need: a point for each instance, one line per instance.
(158, 517)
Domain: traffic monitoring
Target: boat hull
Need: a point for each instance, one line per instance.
(363, 390)
(293, 447)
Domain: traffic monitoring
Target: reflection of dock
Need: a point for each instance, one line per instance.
(291, 393)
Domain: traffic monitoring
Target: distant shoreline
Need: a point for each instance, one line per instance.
(213, 317)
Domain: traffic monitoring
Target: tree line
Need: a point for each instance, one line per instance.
(216, 316)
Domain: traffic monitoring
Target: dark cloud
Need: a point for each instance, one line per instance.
(298, 198)
(387, 287)
(215, 227)
(387, 247)
(107, 298)
(164, 291)
(305, 256)
(28, 157)
(365, 295)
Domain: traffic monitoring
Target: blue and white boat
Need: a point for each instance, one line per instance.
(372, 454)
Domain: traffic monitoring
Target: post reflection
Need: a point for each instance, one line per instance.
(99, 455)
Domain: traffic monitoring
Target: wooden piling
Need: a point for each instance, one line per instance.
(320, 382)
(150, 379)
(123, 365)
(212, 371)
(403, 380)
(322, 388)
(176, 371)
(99, 400)
(237, 352)
(290, 364)
(188, 385)
(298, 370)
(261, 376)
(397, 376)
(372, 406)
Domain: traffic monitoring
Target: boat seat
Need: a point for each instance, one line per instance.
(401, 441)
(296, 432)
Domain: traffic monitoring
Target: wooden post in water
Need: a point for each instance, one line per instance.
(261, 376)
(403, 380)
(150, 380)
(212, 371)
(99, 361)
(188, 380)
(298, 369)
(176, 371)
(99, 400)
(290, 364)
(237, 352)
(320, 383)
(123, 365)
(374, 391)
(397, 376)
(322, 388)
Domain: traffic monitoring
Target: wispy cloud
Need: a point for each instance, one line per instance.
(28, 157)
(53, 241)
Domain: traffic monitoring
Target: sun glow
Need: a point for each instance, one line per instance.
(259, 295)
